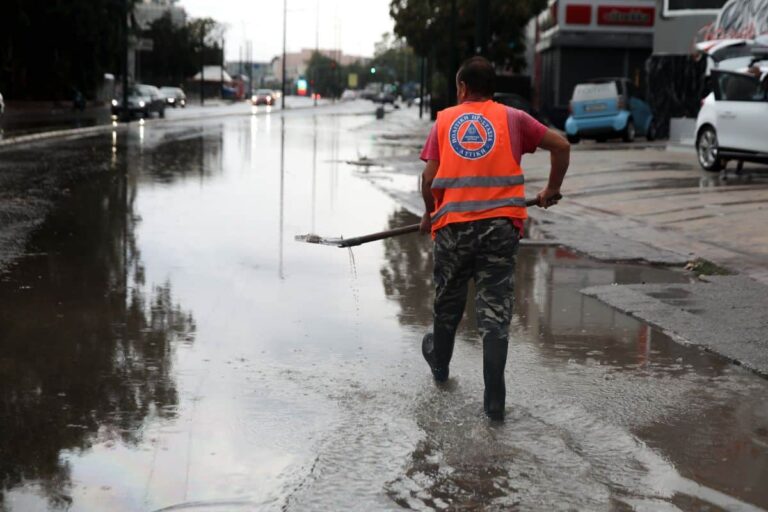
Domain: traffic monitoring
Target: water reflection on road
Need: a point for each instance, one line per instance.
(166, 345)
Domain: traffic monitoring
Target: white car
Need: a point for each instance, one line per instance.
(732, 121)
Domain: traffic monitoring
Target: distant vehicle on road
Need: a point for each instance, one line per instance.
(174, 97)
(143, 100)
(348, 95)
(263, 97)
(385, 97)
(607, 108)
(731, 124)
(516, 101)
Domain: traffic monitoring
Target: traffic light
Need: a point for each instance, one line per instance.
(373, 71)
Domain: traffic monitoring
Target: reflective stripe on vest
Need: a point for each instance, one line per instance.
(478, 181)
(478, 206)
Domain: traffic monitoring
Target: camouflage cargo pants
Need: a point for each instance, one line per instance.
(483, 250)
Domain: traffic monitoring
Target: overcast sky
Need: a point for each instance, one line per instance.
(353, 25)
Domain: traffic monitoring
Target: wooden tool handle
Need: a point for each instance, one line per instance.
(413, 228)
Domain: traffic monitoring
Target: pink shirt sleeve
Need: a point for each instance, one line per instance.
(525, 132)
(431, 149)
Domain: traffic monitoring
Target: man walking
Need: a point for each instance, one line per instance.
(475, 208)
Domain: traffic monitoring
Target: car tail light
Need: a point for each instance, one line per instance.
(570, 107)
(621, 103)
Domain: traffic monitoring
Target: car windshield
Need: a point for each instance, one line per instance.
(596, 91)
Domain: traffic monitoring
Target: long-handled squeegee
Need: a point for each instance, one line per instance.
(358, 240)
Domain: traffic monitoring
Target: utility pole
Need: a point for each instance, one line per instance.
(250, 68)
(285, 27)
(482, 27)
(317, 49)
(202, 66)
(221, 71)
(125, 59)
(453, 60)
(422, 84)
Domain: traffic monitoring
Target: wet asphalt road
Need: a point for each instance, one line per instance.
(166, 345)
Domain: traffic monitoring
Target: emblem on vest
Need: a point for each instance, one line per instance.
(472, 136)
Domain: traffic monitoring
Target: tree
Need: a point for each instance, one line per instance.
(395, 61)
(48, 49)
(426, 26)
(325, 75)
(176, 53)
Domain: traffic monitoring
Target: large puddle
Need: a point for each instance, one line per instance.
(166, 345)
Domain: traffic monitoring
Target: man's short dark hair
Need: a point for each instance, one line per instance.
(479, 76)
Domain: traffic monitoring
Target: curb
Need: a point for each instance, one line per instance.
(91, 130)
(70, 132)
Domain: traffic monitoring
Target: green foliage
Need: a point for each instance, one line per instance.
(395, 61)
(329, 80)
(176, 53)
(48, 49)
(426, 27)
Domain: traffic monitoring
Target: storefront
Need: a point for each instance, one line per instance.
(578, 40)
(676, 74)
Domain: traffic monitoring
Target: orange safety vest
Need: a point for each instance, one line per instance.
(478, 177)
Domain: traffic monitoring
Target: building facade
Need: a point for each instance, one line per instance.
(579, 40)
(676, 74)
(296, 62)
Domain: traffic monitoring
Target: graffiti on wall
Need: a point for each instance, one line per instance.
(738, 19)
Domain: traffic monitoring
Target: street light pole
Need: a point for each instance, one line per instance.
(285, 27)
(481, 27)
(125, 58)
(221, 71)
(453, 58)
(202, 66)
(317, 49)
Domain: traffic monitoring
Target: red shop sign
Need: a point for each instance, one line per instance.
(625, 16)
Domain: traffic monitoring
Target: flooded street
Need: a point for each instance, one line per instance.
(165, 344)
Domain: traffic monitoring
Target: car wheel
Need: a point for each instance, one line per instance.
(707, 150)
(629, 132)
(573, 139)
(650, 134)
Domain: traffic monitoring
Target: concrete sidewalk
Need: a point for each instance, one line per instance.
(625, 202)
(642, 203)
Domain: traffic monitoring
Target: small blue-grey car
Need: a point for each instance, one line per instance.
(607, 108)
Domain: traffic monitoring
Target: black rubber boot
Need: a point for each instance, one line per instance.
(494, 360)
(428, 351)
(494, 407)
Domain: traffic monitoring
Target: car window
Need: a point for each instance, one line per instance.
(738, 87)
(731, 52)
(601, 91)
